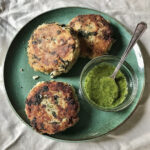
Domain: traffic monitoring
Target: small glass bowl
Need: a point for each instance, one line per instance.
(126, 69)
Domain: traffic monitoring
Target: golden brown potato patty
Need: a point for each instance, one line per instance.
(52, 107)
(95, 34)
(52, 48)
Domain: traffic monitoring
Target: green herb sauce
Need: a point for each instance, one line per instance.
(103, 90)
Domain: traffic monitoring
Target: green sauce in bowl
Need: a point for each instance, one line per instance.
(103, 90)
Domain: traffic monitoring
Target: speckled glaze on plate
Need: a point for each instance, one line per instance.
(93, 123)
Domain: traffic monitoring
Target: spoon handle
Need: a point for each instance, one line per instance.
(140, 28)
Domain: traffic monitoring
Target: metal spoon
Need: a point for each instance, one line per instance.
(140, 28)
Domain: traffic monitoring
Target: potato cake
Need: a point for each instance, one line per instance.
(95, 34)
(52, 107)
(53, 49)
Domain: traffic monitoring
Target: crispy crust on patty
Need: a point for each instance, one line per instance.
(52, 107)
(53, 48)
(95, 34)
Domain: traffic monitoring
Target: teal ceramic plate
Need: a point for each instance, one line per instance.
(93, 123)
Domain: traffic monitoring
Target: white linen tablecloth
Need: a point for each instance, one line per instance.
(133, 135)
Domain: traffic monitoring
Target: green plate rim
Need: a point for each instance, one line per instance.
(76, 140)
